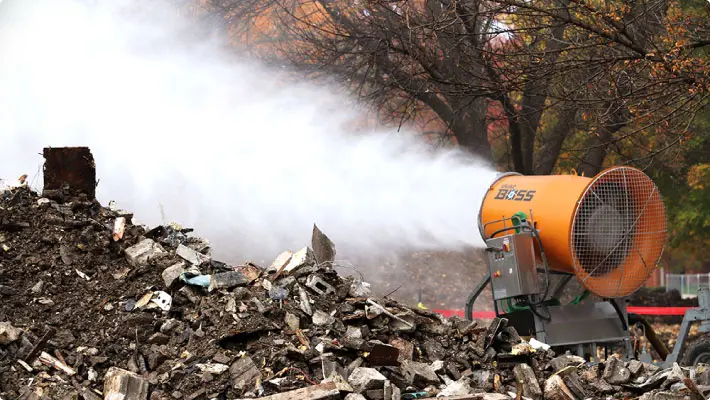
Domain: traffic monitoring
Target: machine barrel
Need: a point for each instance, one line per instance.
(608, 230)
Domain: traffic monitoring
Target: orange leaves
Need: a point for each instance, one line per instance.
(699, 176)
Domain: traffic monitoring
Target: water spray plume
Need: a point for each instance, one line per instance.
(215, 141)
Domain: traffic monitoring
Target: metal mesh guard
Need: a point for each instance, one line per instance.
(618, 232)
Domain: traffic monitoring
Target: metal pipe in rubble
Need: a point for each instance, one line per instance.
(653, 339)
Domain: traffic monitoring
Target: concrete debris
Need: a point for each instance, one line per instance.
(37, 288)
(525, 376)
(227, 280)
(359, 288)
(212, 368)
(615, 372)
(8, 333)
(140, 254)
(564, 361)
(318, 285)
(192, 256)
(575, 385)
(419, 374)
(293, 322)
(300, 259)
(281, 261)
(556, 389)
(321, 318)
(120, 384)
(119, 228)
(172, 274)
(323, 247)
(635, 367)
(325, 391)
(459, 388)
(244, 373)
(293, 330)
(362, 379)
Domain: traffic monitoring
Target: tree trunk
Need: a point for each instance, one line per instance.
(535, 92)
(529, 119)
(471, 131)
(516, 147)
(593, 161)
(550, 151)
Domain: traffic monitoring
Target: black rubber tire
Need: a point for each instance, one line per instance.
(697, 352)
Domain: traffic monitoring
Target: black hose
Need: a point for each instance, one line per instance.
(503, 230)
(544, 263)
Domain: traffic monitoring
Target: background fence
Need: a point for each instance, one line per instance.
(687, 284)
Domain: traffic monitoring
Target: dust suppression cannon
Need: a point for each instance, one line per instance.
(541, 232)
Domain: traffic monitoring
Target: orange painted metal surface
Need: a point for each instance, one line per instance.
(608, 230)
(550, 200)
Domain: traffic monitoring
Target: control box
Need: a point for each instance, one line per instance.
(513, 266)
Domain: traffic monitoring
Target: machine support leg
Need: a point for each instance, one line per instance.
(474, 295)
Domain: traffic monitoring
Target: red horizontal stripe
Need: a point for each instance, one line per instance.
(657, 310)
(642, 310)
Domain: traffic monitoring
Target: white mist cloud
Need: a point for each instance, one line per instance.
(214, 139)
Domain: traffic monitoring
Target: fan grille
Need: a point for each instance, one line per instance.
(618, 232)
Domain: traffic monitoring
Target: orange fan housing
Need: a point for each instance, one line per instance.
(608, 230)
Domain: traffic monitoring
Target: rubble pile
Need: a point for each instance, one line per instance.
(95, 307)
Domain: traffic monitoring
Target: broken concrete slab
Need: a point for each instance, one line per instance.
(600, 386)
(664, 395)
(635, 367)
(323, 247)
(353, 332)
(479, 396)
(556, 389)
(172, 274)
(362, 379)
(244, 373)
(8, 333)
(419, 374)
(292, 321)
(227, 280)
(564, 361)
(355, 396)
(140, 254)
(324, 391)
(212, 368)
(321, 318)
(525, 375)
(404, 325)
(192, 256)
(120, 384)
(615, 372)
(300, 259)
(574, 384)
(458, 388)
(280, 261)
